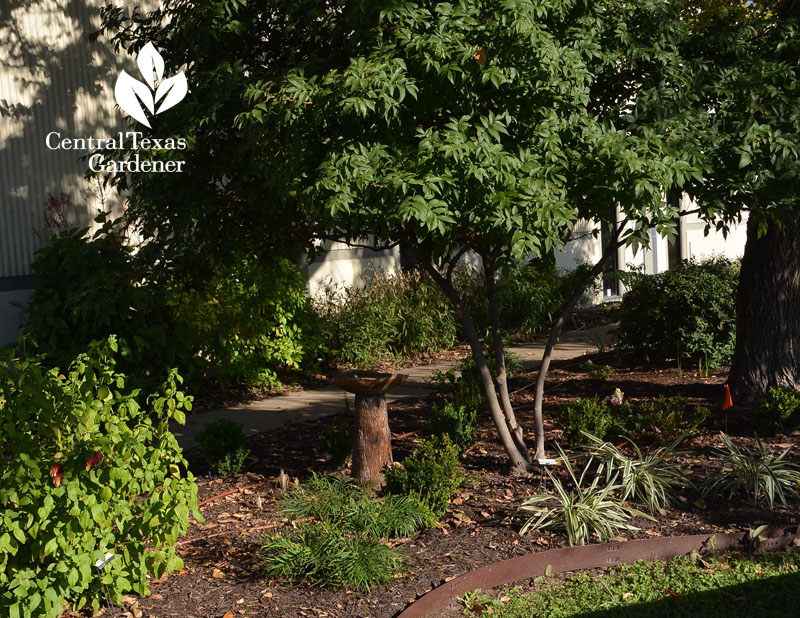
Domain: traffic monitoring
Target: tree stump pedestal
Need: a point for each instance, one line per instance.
(372, 439)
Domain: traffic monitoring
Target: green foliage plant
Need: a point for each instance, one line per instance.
(249, 318)
(337, 439)
(325, 555)
(758, 474)
(456, 422)
(601, 372)
(668, 418)
(779, 411)
(91, 287)
(389, 317)
(339, 501)
(238, 323)
(584, 416)
(94, 490)
(529, 296)
(688, 312)
(652, 479)
(334, 532)
(583, 510)
(224, 446)
(431, 473)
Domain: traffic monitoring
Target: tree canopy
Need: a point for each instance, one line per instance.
(490, 126)
(485, 126)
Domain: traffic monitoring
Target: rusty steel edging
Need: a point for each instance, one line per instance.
(580, 558)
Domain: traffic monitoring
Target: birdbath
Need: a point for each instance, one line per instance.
(372, 440)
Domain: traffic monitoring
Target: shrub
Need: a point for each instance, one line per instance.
(688, 313)
(779, 411)
(337, 439)
(401, 316)
(583, 511)
(456, 422)
(669, 418)
(88, 288)
(431, 473)
(592, 416)
(236, 323)
(87, 475)
(224, 446)
(602, 372)
(333, 531)
(759, 474)
(248, 318)
(529, 296)
(651, 479)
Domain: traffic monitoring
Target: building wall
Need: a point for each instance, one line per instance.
(341, 265)
(694, 243)
(51, 80)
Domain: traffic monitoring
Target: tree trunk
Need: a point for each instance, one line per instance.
(768, 312)
(518, 463)
(372, 440)
(555, 332)
(500, 359)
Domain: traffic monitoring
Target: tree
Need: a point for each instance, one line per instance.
(476, 126)
(750, 99)
(768, 320)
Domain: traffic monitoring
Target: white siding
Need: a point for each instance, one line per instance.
(51, 79)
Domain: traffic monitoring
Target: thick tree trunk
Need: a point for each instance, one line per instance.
(372, 440)
(768, 312)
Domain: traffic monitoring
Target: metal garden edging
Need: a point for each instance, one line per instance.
(580, 558)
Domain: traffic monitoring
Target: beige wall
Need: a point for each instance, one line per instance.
(51, 79)
(341, 265)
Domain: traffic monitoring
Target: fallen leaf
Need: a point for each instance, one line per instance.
(217, 574)
(227, 615)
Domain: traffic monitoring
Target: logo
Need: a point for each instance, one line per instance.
(131, 94)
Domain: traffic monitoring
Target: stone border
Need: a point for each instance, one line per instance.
(586, 557)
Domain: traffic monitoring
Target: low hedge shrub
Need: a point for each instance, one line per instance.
(687, 314)
(779, 411)
(431, 473)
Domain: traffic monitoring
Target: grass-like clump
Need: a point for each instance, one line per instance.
(334, 535)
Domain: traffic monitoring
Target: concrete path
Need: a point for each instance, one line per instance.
(267, 414)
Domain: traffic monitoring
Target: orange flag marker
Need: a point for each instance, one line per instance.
(727, 402)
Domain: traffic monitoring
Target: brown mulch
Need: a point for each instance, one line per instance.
(222, 577)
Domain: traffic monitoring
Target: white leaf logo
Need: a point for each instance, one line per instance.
(131, 94)
(175, 88)
(150, 61)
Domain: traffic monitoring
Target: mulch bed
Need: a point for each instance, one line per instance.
(222, 577)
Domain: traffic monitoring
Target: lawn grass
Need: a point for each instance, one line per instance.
(726, 585)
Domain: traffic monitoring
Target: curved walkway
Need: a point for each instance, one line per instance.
(267, 414)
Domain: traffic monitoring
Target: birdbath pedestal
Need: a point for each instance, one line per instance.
(372, 440)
